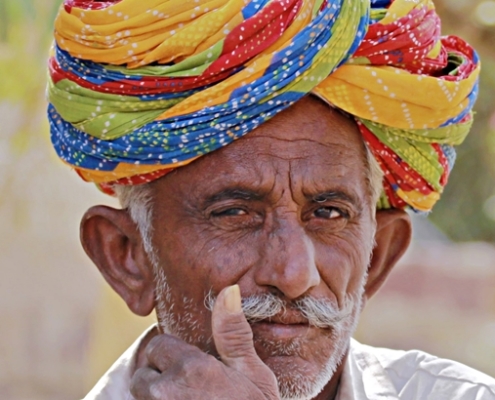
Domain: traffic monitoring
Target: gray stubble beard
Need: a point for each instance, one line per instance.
(187, 327)
(293, 385)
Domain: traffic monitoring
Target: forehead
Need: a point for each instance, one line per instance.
(308, 131)
(308, 142)
(313, 120)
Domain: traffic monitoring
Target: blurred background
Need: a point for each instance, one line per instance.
(61, 328)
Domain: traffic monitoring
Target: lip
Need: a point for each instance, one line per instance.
(288, 317)
(280, 331)
(287, 325)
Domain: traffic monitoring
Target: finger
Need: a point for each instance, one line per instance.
(163, 351)
(149, 384)
(142, 383)
(231, 332)
(233, 336)
(234, 342)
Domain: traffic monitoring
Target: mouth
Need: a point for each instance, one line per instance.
(282, 327)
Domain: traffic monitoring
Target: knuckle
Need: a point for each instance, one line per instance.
(154, 345)
(148, 384)
(190, 364)
(183, 364)
(138, 386)
(192, 370)
(138, 378)
(155, 391)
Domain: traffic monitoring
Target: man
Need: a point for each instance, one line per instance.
(327, 119)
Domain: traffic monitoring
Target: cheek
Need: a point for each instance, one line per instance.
(204, 259)
(194, 266)
(342, 261)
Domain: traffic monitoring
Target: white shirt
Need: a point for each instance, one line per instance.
(369, 374)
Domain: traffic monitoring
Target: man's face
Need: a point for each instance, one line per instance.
(284, 211)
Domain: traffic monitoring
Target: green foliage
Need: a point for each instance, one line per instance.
(25, 35)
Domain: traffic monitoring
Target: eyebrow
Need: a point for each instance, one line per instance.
(335, 195)
(235, 193)
(331, 195)
(239, 193)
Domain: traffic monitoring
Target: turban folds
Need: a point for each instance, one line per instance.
(138, 88)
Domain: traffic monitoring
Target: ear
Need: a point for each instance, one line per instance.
(112, 241)
(393, 235)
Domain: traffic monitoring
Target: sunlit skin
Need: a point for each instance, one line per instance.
(286, 210)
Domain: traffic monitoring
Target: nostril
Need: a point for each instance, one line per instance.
(275, 291)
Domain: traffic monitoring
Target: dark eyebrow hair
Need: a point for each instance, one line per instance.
(335, 195)
(235, 193)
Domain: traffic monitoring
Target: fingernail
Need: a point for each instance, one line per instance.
(232, 299)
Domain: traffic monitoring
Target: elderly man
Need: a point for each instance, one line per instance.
(302, 130)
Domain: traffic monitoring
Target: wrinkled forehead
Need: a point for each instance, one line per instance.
(311, 119)
(310, 131)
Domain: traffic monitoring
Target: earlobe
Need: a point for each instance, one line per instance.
(112, 241)
(393, 235)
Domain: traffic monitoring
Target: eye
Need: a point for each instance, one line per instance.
(236, 218)
(329, 213)
(230, 212)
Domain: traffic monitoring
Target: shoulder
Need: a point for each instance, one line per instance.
(419, 375)
(115, 383)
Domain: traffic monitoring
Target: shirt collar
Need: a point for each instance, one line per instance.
(364, 378)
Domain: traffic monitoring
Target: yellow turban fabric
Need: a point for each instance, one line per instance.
(138, 88)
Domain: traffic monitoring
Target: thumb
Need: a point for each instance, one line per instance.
(234, 341)
(231, 332)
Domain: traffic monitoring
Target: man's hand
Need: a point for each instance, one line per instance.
(179, 371)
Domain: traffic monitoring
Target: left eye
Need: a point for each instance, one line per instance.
(230, 212)
(328, 213)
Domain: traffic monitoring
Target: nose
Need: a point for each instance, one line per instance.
(289, 262)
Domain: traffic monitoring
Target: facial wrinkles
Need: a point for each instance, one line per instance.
(321, 313)
(294, 383)
(283, 171)
(299, 157)
(294, 166)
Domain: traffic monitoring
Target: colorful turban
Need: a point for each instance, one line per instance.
(138, 88)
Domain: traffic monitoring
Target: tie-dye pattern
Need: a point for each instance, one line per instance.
(139, 88)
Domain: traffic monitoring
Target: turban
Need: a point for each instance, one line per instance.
(138, 88)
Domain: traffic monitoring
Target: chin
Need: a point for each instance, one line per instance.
(303, 366)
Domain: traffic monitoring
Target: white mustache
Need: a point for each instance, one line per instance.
(320, 313)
